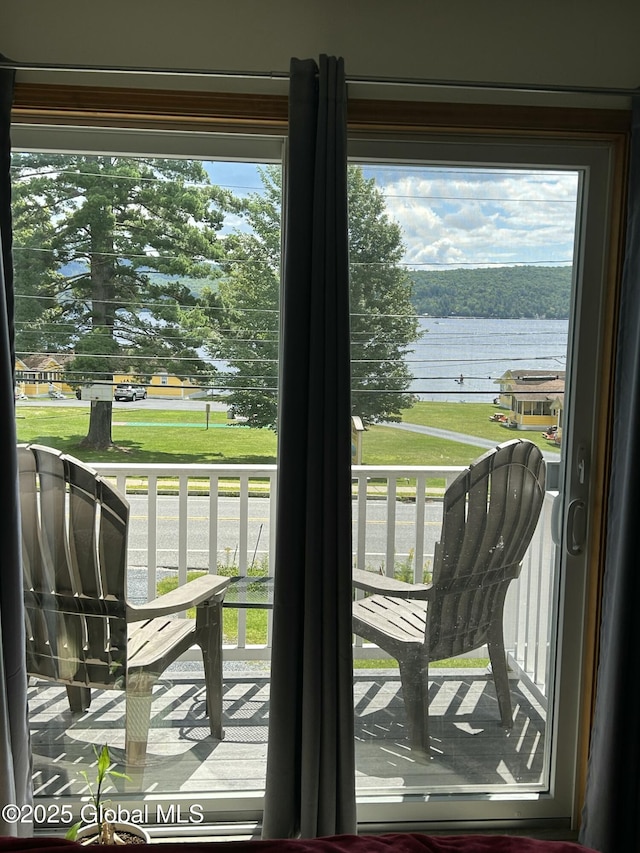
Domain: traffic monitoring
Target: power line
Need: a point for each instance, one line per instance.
(230, 309)
(231, 262)
(158, 359)
(481, 198)
(235, 360)
(157, 305)
(543, 173)
(125, 256)
(110, 177)
(481, 264)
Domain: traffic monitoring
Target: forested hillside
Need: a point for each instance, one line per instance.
(496, 292)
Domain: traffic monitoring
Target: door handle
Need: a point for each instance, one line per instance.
(575, 527)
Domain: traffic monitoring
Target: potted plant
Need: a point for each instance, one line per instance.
(106, 829)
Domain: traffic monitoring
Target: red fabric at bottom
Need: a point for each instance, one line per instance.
(408, 842)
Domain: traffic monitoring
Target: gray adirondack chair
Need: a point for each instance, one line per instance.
(81, 631)
(489, 516)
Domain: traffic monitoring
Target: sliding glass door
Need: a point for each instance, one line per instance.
(491, 295)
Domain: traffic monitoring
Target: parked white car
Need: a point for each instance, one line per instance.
(130, 392)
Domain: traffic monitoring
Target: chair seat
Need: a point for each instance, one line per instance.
(156, 643)
(400, 619)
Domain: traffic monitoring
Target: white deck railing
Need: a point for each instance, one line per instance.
(200, 516)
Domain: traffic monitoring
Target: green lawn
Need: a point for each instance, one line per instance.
(469, 418)
(141, 435)
(387, 446)
(147, 436)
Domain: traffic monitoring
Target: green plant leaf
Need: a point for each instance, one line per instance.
(103, 762)
(118, 775)
(72, 833)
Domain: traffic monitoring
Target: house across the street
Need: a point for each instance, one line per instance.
(534, 398)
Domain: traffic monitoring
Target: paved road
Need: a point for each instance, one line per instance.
(257, 534)
(465, 439)
(258, 528)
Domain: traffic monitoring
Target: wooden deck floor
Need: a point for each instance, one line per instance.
(469, 749)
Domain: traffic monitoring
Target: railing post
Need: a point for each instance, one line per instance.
(183, 527)
(213, 524)
(391, 526)
(418, 565)
(152, 536)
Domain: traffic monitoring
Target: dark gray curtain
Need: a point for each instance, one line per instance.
(15, 754)
(611, 814)
(310, 787)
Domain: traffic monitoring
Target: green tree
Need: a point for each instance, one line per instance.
(103, 244)
(383, 321)
(34, 271)
(522, 291)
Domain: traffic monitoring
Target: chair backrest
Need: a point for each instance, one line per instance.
(490, 514)
(74, 551)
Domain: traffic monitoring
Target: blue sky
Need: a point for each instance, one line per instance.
(241, 177)
(462, 217)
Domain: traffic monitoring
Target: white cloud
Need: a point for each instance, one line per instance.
(468, 217)
(477, 217)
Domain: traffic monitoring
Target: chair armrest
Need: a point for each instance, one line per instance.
(373, 582)
(206, 588)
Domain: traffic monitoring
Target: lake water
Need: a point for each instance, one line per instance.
(481, 351)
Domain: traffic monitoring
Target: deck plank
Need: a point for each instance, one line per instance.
(468, 745)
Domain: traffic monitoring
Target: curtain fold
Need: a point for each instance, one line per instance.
(611, 813)
(310, 784)
(15, 752)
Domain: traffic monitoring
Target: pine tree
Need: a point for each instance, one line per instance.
(102, 244)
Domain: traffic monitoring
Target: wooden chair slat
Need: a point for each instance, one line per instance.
(82, 517)
(52, 520)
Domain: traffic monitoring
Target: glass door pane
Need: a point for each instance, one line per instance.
(147, 294)
(478, 279)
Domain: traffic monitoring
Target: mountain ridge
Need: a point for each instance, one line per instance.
(500, 292)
